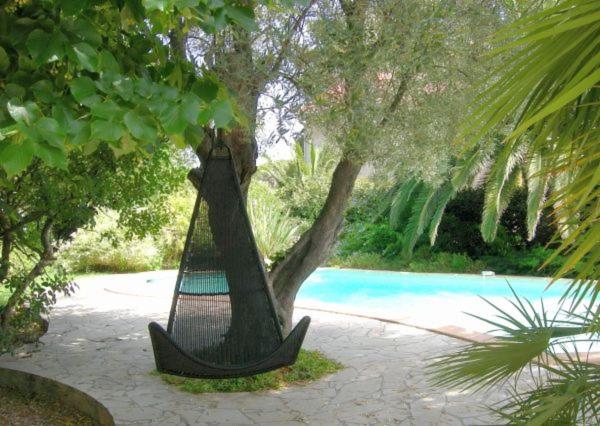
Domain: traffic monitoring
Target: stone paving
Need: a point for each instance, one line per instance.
(98, 343)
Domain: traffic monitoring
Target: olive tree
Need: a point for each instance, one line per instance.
(357, 70)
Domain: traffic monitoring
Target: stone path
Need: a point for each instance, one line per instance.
(98, 342)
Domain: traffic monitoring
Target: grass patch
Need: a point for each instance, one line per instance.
(311, 365)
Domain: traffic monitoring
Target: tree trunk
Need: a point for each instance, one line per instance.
(46, 259)
(316, 243)
(6, 248)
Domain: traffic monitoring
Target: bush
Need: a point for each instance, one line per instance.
(363, 237)
(367, 203)
(421, 261)
(459, 230)
(372, 261)
(107, 248)
(171, 238)
(445, 262)
(524, 262)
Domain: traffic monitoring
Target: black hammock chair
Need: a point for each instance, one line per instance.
(223, 321)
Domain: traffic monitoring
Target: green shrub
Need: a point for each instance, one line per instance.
(368, 201)
(445, 262)
(107, 248)
(372, 261)
(311, 365)
(421, 261)
(524, 262)
(171, 238)
(370, 238)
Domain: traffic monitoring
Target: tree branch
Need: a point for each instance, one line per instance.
(285, 45)
(400, 92)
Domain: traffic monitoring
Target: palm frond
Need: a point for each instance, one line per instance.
(400, 201)
(444, 194)
(497, 197)
(422, 210)
(537, 185)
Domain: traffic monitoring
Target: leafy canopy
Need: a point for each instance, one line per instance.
(76, 73)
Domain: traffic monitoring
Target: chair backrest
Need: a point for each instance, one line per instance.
(223, 310)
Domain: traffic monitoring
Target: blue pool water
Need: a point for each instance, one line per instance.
(341, 285)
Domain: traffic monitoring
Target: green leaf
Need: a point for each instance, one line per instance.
(181, 4)
(82, 137)
(106, 130)
(190, 107)
(50, 131)
(124, 87)
(173, 120)
(207, 89)
(140, 128)
(125, 146)
(22, 113)
(83, 89)
(91, 147)
(161, 5)
(86, 31)
(55, 48)
(16, 157)
(400, 202)
(45, 47)
(51, 155)
(243, 16)
(87, 56)
(73, 7)
(194, 135)
(4, 60)
(222, 113)
(13, 90)
(43, 91)
(65, 120)
(107, 110)
(107, 62)
(37, 46)
(205, 115)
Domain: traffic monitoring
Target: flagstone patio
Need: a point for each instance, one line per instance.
(98, 343)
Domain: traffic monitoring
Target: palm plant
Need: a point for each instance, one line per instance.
(274, 230)
(548, 92)
(299, 168)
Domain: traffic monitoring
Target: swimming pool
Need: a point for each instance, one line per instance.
(341, 285)
(433, 301)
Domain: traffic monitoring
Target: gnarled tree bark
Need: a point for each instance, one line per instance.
(315, 245)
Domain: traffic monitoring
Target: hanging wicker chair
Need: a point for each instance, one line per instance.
(223, 321)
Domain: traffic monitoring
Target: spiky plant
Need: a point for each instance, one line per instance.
(274, 230)
(549, 89)
(299, 167)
